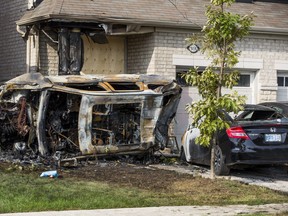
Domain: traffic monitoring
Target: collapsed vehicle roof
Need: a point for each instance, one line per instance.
(37, 80)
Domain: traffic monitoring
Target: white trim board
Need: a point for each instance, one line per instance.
(189, 60)
(281, 65)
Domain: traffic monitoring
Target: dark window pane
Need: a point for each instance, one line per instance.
(286, 81)
(180, 79)
(280, 81)
(244, 81)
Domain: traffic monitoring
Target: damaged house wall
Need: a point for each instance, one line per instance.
(107, 58)
(70, 51)
(95, 58)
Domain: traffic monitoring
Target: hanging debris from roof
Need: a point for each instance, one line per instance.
(70, 51)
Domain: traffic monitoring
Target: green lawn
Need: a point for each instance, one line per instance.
(23, 192)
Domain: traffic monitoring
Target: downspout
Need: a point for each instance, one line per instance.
(20, 31)
(37, 50)
(34, 40)
(28, 55)
(32, 47)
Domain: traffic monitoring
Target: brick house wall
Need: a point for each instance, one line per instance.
(48, 56)
(169, 43)
(12, 46)
(270, 51)
(260, 56)
(154, 53)
(141, 56)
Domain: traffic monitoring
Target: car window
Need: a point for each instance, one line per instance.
(278, 109)
(255, 115)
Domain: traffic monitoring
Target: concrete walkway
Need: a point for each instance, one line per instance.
(269, 209)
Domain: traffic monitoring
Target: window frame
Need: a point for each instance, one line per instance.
(182, 82)
(285, 81)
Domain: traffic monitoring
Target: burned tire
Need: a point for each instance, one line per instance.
(219, 163)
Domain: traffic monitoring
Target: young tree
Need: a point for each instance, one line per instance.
(217, 39)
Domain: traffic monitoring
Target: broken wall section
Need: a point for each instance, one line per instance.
(108, 58)
(79, 54)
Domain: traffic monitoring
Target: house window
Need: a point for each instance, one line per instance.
(180, 79)
(244, 80)
(282, 81)
(181, 71)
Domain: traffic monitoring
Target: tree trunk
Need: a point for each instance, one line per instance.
(219, 93)
(212, 168)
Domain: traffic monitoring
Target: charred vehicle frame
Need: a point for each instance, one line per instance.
(88, 114)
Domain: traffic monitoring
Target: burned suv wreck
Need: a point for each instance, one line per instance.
(87, 114)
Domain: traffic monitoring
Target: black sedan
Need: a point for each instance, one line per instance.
(257, 135)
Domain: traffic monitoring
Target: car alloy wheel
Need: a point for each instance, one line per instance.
(219, 162)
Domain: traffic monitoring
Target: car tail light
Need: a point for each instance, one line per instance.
(237, 132)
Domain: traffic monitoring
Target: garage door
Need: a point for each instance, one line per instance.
(282, 80)
(190, 94)
(245, 86)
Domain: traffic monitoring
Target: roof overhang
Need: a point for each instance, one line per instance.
(54, 12)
